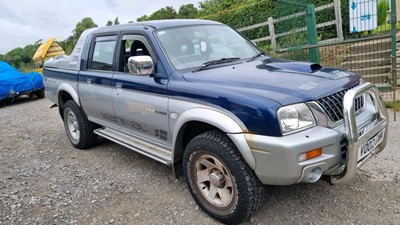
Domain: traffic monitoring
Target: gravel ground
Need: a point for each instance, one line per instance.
(44, 180)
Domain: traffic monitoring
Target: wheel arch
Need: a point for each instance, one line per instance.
(65, 93)
(199, 120)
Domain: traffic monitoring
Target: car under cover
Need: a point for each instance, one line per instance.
(14, 83)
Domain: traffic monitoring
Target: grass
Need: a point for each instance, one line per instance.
(391, 105)
(385, 28)
(26, 68)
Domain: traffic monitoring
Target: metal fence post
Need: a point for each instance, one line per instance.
(272, 32)
(393, 21)
(338, 17)
(312, 36)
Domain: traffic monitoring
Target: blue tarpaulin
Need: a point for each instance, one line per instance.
(14, 82)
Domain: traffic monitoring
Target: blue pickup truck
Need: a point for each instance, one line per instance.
(199, 97)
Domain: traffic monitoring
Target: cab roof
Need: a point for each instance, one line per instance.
(159, 24)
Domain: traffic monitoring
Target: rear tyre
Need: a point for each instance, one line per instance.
(40, 93)
(220, 180)
(78, 127)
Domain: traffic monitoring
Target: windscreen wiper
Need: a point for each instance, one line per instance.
(215, 62)
(256, 56)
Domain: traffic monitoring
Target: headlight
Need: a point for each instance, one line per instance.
(295, 117)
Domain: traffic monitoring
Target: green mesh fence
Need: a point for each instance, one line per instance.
(368, 52)
(332, 33)
(290, 24)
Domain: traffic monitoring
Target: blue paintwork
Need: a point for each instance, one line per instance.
(99, 78)
(60, 74)
(253, 91)
(256, 112)
(141, 83)
(266, 79)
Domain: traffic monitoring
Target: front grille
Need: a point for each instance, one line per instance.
(333, 104)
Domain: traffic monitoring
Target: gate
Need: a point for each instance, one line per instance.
(332, 35)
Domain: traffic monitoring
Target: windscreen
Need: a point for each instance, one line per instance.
(191, 46)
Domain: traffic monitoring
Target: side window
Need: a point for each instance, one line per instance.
(132, 45)
(102, 54)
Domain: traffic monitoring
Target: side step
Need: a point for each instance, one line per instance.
(160, 154)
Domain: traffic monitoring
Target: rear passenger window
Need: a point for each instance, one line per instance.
(103, 54)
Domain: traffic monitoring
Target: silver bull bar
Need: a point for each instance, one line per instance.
(354, 142)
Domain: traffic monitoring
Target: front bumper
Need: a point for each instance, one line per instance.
(354, 140)
(276, 158)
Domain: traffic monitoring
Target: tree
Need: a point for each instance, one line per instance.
(164, 13)
(187, 11)
(110, 23)
(81, 26)
(208, 7)
(143, 18)
(67, 44)
(38, 42)
(14, 58)
(28, 52)
(116, 21)
(21, 58)
(161, 14)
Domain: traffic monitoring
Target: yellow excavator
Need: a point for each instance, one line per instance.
(45, 51)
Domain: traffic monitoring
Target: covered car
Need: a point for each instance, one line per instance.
(14, 83)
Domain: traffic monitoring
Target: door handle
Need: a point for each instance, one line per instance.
(89, 81)
(118, 85)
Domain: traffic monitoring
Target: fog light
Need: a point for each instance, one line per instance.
(310, 154)
(314, 175)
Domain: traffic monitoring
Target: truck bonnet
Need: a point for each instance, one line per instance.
(281, 81)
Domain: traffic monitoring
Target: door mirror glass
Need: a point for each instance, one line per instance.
(141, 65)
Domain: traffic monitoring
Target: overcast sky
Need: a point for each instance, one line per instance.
(23, 22)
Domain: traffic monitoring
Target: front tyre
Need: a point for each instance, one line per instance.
(220, 180)
(78, 127)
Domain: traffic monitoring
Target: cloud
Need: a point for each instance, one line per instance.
(25, 22)
(112, 3)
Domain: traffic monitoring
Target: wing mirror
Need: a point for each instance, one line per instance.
(141, 65)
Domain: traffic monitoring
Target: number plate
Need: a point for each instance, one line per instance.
(370, 146)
